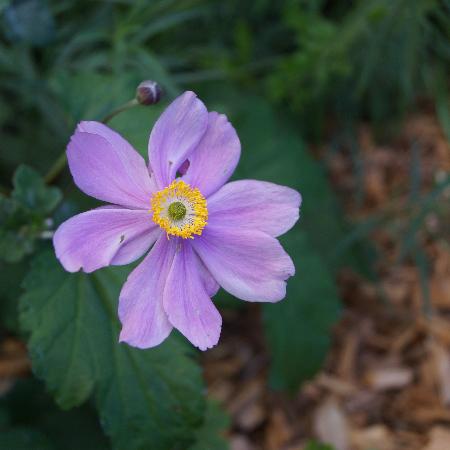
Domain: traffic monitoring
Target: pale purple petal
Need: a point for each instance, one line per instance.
(186, 302)
(176, 133)
(214, 160)
(133, 249)
(257, 205)
(211, 285)
(249, 264)
(141, 312)
(93, 239)
(105, 166)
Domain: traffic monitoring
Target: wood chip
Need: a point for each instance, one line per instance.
(251, 416)
(439, 439)
(335, 385)
(240, 442)
(278, 432)
(248, 393)
(330, 424)
(442, 366)
(384, 379)
(375, 436)
(347, 358)
(439, 327)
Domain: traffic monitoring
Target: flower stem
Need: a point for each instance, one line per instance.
(61, 162)
(130, 104)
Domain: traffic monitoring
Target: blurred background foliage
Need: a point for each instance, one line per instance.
(288, 74)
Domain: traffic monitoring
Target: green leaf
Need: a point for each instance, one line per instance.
(298, 328)
(313, 445)
(23, 216)
(16, 231)
(32, 193)
(28, 405)
(24, 438)
(145, 399)
(210, 435)
(11, 276)
(4, 417)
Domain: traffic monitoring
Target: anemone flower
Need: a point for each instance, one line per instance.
(202, 232)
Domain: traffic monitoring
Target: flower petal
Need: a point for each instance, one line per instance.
(249, 264)
(186, 302)
(258, 205)
(133, 249)
(93, 239)
(105, 166)
(141, 312)
(211, 285)
(176, 133)
(213, 162)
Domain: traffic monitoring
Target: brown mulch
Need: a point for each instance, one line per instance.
(386, 382)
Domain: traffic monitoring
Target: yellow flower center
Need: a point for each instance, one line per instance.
(180, 210)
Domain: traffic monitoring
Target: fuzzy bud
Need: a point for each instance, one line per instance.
(149, 92)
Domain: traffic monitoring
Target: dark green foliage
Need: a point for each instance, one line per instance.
(21, 438)
(313, 445)
(11, 276)
(298, 328)
(143, 401)
(211, 434)
(29, 21)
(31, 192)
(24, 215)
(372, 59)
(16, 237)
(29, 407)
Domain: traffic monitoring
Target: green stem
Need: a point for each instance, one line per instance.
(130, 104)
(61, 162)
(56, 168)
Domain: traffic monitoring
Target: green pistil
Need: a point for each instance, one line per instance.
(177, 211)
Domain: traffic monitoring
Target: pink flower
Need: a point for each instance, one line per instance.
(202, 232)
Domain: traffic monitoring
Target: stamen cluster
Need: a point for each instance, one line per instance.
(180, 210)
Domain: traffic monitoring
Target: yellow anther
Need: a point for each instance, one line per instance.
(178, 197)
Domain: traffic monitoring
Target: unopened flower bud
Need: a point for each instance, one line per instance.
(149, 92)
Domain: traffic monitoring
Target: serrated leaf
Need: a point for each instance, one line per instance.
(298, 328)
(145, 399)
(211, 434)
(32, 193)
